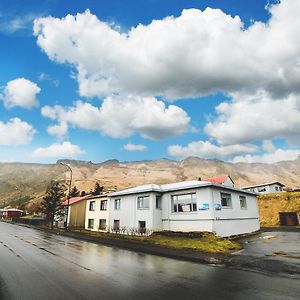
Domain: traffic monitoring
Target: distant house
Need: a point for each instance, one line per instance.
(225, 180)
(266, 188)
(97, 213)
(9, 213)
(185, 206)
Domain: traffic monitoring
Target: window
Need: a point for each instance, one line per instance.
(142, 226)
(117, 204)
(92, 205)
(226, 200)
(143, 202)
(184, 203)
(103, 205)
(243, 202)
(280, 189)
(117, 225)
(102, 224)
(158, 202)
(261, 189)
(276, 188)
(91, 224)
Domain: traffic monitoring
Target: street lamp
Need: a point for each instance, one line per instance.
(70, 183)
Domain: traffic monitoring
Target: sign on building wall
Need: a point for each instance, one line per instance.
(203, 206)
(218, 206)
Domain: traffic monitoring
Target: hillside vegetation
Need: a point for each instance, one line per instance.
(270, 205)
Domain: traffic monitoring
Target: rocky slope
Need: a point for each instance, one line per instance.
(19, 180)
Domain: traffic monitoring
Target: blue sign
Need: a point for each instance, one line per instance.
(204, 206)
(218, 206)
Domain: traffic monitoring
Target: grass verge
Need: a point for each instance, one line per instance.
(203, 242)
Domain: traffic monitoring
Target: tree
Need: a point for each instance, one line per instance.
(98, 189)
(52, 201)
(74, 192)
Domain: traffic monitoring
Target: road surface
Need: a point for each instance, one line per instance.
(38, 265)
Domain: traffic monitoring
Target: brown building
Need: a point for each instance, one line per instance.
(77, 207)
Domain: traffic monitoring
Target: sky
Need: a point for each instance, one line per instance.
(148, 79)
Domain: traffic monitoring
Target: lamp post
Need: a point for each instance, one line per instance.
(70, 183)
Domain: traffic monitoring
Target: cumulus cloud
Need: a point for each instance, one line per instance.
(196, 53)
(206, 149)
(20, 92)
(252, 117)
(134, 147)
(269, 158)
(16, 132)
(121, 117)
(63, 150)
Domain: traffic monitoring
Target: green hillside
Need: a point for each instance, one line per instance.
(270, 205)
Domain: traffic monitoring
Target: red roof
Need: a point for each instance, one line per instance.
(221, 179)
(75, 200)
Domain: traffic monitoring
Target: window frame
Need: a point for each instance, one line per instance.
(138, 202)
(103, 205)
(193, 204)
(92, 205)
(89, 223)
(242, 197)
(158, 204)
(230, 198)
(117, 204)
(101, 228)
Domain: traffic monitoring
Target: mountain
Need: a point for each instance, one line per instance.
(22, 182)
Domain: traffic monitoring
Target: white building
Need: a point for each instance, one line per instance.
(97, 213)
(266, 188)
(185, 206)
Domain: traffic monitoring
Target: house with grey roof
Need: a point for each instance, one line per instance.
(185, 206)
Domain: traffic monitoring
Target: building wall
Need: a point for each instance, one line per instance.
(267, 189)
(129, 215)
(76, 216)
(235, 220)
(225, 222)
(200, 220)
(97, 214)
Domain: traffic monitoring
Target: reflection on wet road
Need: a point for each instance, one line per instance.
(38, 265)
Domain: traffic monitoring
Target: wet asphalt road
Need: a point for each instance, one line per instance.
(38, 265)
(284, 246)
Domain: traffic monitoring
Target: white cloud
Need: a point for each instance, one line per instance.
(253, 117)
(121, 117)
(11, 24)
(63, 150)
(46, 77)
(16, 132)
(268, 146)
(269, 158)
(134, 147)
(205, 149)
(197, 53)
(20, 92)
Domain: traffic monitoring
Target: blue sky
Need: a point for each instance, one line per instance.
(150, 79)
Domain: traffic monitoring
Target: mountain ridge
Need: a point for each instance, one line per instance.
(18, 180)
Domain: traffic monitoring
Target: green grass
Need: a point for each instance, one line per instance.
(205, 242)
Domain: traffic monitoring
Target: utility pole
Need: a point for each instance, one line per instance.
(68, 197)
